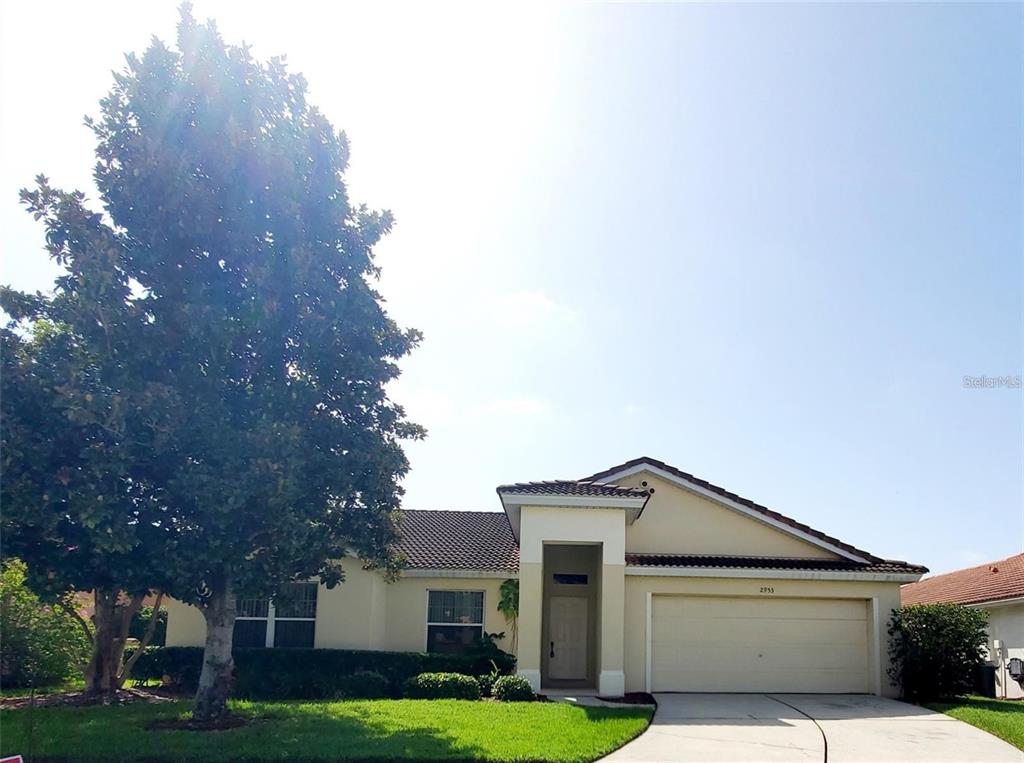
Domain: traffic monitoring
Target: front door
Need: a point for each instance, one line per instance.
(567, 648)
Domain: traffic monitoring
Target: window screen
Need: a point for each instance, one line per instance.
(290, 619)
(455, 619)
(297, 600)
(250, 633)
(294, 633)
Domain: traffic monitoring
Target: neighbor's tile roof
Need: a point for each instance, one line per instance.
(737, 499)
(986, 582)
(769, 563)
(458, 540)
(573, 487)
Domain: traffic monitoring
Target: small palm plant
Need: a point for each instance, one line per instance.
(508, 605)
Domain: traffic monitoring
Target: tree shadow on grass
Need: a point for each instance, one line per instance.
(293, 733)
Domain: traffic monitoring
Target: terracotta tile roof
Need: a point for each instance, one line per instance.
(573, 487)
(768, 563)
(737, 499)
(993, 581)
(458, 540)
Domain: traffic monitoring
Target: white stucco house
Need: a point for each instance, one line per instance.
(640, 577)
(998, 588)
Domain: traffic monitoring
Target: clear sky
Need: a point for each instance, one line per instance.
(762, 243)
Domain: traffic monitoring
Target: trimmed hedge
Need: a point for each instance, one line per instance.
(513, 689)
(364, 684)
(441, 686)
(309, 673)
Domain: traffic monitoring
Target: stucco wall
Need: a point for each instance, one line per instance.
(351, 615)
(637, 588)
(185, 624)
(406, 623)
(1006, 623)
(364, 612)
(542, 525)
(676, 521)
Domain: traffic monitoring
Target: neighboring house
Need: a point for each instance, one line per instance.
(640, 577)
(997, 587)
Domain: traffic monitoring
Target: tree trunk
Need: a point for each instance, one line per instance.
(105, 663)
(218, 665)
(112, 618)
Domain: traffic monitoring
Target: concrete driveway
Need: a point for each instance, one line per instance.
(824, 728)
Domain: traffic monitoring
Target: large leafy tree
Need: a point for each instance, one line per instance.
(224, 298)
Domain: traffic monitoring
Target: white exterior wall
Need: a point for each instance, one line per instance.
(1006, 625)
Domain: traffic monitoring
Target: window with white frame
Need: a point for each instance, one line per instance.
(455, 619)
(287, 621)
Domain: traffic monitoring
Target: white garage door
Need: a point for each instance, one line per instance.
(735, 644)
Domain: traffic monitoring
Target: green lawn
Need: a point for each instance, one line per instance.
(382, 730)
(1001, 717)
(21, 691)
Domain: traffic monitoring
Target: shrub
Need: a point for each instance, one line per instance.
(307, 673)
(513, 689)
(364, 684)
(486, 681)
(486, 684)
(484, 653)
(442, 686)
(936, 649)
(41, 645)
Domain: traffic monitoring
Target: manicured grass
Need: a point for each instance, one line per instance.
(381, 730)
(1004, 718)
(41, 691)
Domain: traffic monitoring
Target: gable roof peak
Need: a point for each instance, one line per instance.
(715, 492)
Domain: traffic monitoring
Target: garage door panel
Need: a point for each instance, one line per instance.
(788, 658)
(767, 681)
(737, 631)
(747, 644)
(688, 607)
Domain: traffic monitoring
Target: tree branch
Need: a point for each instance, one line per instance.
(126, 671)
(78, 617)
(127, 613)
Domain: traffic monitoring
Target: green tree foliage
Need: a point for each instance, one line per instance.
(936, 649)
(224, 332)
(42, 644)
(71, 509)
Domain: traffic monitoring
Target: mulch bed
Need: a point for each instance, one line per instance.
(82, 699)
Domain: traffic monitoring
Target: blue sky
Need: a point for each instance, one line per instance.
(762, 243)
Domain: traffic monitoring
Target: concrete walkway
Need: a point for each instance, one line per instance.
(823, 728)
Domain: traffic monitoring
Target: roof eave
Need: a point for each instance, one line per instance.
(572, 501)
(770, 574)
